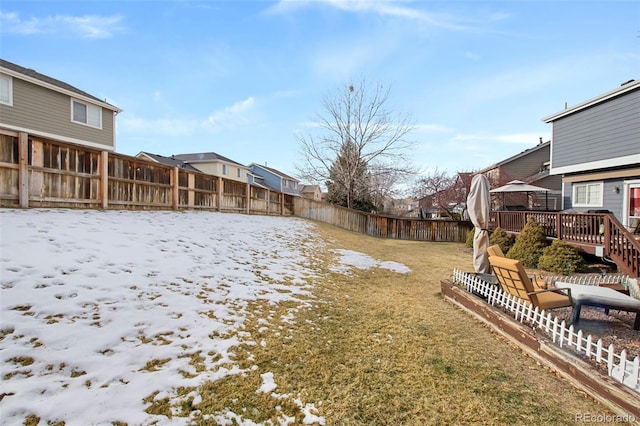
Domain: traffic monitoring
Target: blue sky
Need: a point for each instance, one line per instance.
(242, 78)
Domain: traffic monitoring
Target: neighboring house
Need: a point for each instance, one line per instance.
(312, 192)
(531, 166)
(275, 179)
(400, 207)
(595, 150)
(169, 161)
(216, 165)
(44, 107)
(446, 202)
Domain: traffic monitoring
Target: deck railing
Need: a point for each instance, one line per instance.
(594, 233)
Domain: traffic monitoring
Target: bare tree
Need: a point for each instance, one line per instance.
(358, 139)
(441, 190)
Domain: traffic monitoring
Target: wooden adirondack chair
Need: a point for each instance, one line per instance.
(514, 280)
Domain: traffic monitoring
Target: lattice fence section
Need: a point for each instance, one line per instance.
(626, 371)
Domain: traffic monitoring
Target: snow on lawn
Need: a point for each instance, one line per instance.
(100, 309)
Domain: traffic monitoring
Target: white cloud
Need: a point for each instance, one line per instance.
(433, 128)
(88, 26)
(230, 117)
(388, 8)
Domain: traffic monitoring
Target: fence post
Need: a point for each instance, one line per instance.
(268, 201)
(191, 195)
(282, 204)
(104, 179)
(23, 171)
(175, 188)
(248, 198)
(220, 191)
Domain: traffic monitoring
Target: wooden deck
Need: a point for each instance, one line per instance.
(593, 233)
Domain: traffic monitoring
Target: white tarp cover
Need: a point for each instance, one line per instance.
(478, 208)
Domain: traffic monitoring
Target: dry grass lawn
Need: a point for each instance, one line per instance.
(381, 348)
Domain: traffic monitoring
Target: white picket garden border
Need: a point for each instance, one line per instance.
(619, 368)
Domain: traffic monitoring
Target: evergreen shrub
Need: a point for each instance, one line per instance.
(502, 239)
(529, 244)
(561, 258)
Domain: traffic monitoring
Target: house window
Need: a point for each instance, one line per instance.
(225, 169)
(6, 90)
(239, 173)
(587, 194)
(88, 114)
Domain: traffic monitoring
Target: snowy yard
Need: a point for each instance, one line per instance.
(100, 310)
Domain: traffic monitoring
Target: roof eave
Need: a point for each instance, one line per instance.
(625, 88)
(60, 89)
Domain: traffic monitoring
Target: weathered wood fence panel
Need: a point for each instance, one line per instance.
(138, 183)
(323, 212)
(383, 226)
(9, 169)
(36, 172)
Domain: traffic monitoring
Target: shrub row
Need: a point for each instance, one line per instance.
(532, 249)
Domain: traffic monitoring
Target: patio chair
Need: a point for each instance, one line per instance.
(513, 280)
(495, 250)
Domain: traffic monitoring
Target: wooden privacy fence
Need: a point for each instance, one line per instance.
(383, 226)
(36, 172)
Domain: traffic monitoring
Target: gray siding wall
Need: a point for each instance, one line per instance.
(40, 109)
(525, 166)
(269, 179)
(604, 131)
(612, 201)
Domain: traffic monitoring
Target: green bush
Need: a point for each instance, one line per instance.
(502, 239)
(529, 244)
(469, 242)
(561, 258)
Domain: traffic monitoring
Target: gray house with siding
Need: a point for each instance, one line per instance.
(595, 147)
(275, 179)
(533, 167)
(44, 107)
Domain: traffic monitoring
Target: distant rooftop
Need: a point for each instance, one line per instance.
(200, 157)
